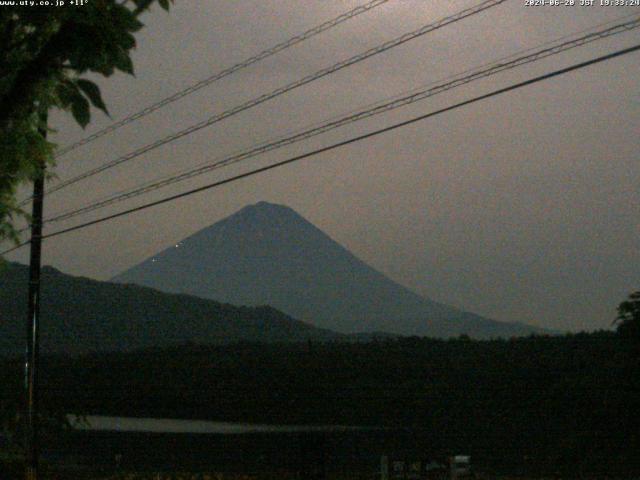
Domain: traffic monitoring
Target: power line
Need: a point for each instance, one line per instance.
(485, 5)
(359, 138)
(459, 80)
(151, 183)
(225, 73)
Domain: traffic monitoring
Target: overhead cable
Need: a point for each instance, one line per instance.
(224, 73)
(485, 5)
(482, 72)
(334, 146)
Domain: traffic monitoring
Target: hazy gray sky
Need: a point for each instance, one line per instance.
(524, 207)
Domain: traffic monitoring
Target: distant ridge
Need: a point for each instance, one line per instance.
(269, 254)
(81, 315)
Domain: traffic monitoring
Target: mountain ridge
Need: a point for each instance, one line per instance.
(269, 254)
(82, 315)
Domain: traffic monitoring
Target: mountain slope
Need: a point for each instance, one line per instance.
(82, 315)
(269, 254)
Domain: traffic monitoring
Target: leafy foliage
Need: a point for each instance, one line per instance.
(44, 52)
(628, 318)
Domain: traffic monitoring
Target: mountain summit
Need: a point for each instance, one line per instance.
(267, 254)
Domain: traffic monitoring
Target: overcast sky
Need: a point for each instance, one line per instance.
(524, 207)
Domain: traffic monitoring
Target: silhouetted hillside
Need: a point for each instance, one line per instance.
(539, 405)
(80, 315)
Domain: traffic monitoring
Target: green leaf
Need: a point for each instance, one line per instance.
(92, 91)
(80, 110)
(125, 19)
(66, 91)
(127, 41)
(142, 5)
(133, 24)
(164, 4)
(122, 61)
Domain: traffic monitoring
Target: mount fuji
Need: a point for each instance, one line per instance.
(267, 254)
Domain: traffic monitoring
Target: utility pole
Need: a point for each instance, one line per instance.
(33, 323)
